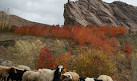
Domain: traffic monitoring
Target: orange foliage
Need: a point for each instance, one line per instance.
(94, 37)
(63, 59)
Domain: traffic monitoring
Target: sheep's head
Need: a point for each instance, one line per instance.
(60, 68)
(82, 79)
(12, 70)
(57, 73)
(66, 77)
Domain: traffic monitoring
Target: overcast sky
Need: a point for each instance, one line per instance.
(43, 11)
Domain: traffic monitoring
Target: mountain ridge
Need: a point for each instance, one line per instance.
(18, 21)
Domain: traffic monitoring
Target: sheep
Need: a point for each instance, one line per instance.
(16, 74)
(70, 76)
(23, 67)
(105, 78)
(43, 75)
(31, 75)
(46, 74)
(4, 72)
(51, 75)
(88, 79)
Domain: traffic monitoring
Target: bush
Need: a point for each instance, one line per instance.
(46, 59)
(25, 53)
(93, 63)
(127, 49)
(59, 47)
(64, 59)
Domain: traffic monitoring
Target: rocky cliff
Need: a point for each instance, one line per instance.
(99, 13)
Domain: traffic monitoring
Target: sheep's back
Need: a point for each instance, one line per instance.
(23, 67)
(30, 76)
(89, 79)
(104, 78)
(46, 75)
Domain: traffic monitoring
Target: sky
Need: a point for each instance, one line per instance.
(42, 11)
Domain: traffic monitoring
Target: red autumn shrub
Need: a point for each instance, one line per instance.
(46, 59)
(127, 49)
(68, 31)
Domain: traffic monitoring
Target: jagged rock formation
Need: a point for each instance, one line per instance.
(99, 13)
(18, 21)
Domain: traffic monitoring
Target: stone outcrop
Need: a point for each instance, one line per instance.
(99, 13)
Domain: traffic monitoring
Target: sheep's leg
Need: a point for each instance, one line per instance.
(8, 78)
(3, 79)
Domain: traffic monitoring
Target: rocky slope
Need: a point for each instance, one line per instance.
(99, 13)
(18, 21)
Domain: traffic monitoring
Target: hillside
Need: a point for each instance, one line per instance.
(90, 51)
(100, 13)
(18, 21)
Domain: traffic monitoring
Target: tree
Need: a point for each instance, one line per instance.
(46, 59)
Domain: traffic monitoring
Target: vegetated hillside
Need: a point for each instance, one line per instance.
(25, 49)
(17, 21)
(90, 51)
(100, 13)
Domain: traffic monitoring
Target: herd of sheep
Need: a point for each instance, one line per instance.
(24, 73)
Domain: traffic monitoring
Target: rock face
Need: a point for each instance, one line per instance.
(99, 13)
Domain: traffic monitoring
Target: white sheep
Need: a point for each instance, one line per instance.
(105, 78)
(51, 75)
(31, 76)
(23, 67)
(70, 76)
